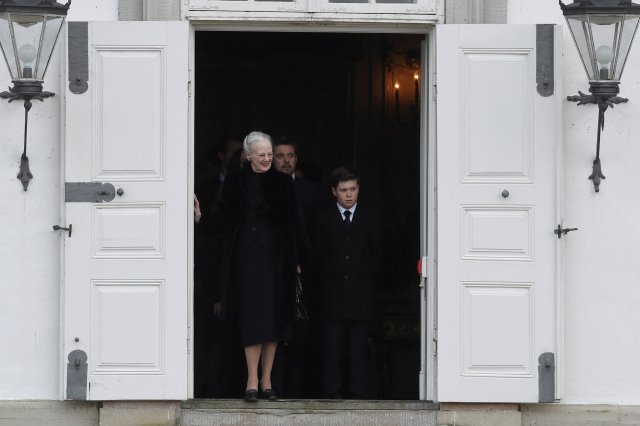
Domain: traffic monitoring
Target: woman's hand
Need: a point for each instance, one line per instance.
(197, 214)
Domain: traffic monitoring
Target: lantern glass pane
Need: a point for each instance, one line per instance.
(579, 27)
(7, 47)
(27, 29)
(629, 27)
(605, 34)
(603, 42)
(52, 25)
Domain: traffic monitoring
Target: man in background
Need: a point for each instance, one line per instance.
(289, 371)
(310, 197)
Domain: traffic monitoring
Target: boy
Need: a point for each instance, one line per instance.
(348, 252)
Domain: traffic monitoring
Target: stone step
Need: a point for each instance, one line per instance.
(230, 412)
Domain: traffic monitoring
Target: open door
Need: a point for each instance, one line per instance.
(127, 207)
(498, 139)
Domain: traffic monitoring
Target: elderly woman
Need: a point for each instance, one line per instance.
(259, 272)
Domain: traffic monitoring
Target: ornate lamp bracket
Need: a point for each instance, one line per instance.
(26, 91)
(605, 95)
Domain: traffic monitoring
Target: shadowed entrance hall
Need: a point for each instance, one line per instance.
(347, 99)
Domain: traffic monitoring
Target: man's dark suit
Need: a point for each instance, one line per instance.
(311, 201)
(289, 370)
(347, 260)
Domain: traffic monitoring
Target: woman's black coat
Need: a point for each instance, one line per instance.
(283, 215)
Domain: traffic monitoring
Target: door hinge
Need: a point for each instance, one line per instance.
(422, 272)
(544, 59)
(90, 192)
(546, 377)
(77, 368)
(435, 342)
(78, 62)
(434, 84)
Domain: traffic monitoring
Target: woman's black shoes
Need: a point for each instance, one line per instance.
(269, 394)
(251, 395)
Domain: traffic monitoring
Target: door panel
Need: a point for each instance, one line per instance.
(144, 158)
(125, 266)
(497, 140)
(497, 232)
(129, 231)
(496, 115)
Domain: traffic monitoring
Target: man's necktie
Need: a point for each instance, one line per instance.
(347, 218)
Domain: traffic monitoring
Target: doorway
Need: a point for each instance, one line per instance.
(347, 99)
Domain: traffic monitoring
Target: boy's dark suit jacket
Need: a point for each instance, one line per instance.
(347, 264)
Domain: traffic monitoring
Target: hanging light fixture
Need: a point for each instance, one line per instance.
(603, 31)
(29, 30)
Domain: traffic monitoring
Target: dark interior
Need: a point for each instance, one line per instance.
(336, 95)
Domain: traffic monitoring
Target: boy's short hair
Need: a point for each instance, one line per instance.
(343, 174)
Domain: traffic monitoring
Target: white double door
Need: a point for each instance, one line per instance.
(497, 148)
(126, 261)
(126, 264)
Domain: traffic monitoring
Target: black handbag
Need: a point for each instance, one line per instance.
(301, 313)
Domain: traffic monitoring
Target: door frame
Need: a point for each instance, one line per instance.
(427, 379)
(428, 224)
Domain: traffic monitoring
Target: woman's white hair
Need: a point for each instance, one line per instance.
(254, 137)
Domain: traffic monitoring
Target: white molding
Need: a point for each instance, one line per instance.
(476, 11)
(317, 22)
(149, 10)
(190, 229)
(338, 9)
(161, 10)
(494, 12)
(463, 11)
(560, 210)
(130, 10)
(428, 127)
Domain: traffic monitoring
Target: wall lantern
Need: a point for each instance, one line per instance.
(603, 31)
(29, 30)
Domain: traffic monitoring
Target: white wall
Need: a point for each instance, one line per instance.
(93, 10)
(602, 266)
(29, 252)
